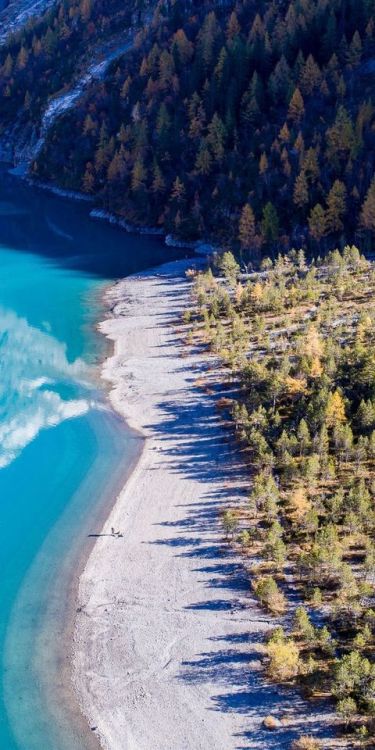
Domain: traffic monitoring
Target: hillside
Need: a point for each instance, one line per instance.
(47, 55)
(247, 122)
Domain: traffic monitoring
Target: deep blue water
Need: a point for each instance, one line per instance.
(63, 452)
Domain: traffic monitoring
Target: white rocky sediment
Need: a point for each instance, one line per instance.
(167, 636)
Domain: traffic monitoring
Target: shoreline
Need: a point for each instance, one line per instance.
(201, 247)
(168, 653)
(81, 720)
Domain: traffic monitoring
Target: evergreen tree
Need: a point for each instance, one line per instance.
(246, 229)
(336, 207)
(270, 223)
(317, 222)
(368, 209)
(296, 109)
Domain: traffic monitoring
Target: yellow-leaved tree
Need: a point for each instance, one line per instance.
(335, 410)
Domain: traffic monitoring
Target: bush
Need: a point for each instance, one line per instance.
(269, 594)
(284, 659)
(270, 722)
(306, 742)
(229, 521)
(229, 267)
(244, 538)
(352, 673)
(347, 708)
(303, 626)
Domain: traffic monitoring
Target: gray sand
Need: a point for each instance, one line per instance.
(167, 644)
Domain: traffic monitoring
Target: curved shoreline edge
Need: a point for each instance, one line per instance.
(166, 648)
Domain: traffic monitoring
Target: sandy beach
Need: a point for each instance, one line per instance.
(167, 635)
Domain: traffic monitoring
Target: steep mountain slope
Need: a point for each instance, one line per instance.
(15, 13)
(47, 63)
(250, 122)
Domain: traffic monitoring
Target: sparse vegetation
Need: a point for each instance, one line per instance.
(295, 343)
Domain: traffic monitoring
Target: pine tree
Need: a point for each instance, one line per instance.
(335, 411)
(303, 435)
(8, 66)
(178, 190)
(166, 69)
(138, 176)
(311, 165)
(27, 101)
(284, 134)
(341, 139)
(233, 27)
(270, 223)
(216, 137)
(246, 229)
(367, 218)
(158, 182)
(310, 77)
(263, 164)
(296, 109)
(336, 207)
(85, 9)
(22, 58)
(317, 222)
(301, 191)
(229, 266)
(183, 47)
(116, 168)
(203, 161)
(355, 49)
(88, 182)
(89, 126)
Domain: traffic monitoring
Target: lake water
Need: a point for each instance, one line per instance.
(63, 452)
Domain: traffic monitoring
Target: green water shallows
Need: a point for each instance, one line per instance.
(63, 452)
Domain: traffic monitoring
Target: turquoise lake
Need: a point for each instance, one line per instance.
(63, 452)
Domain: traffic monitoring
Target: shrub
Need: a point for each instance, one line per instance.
(303, 626)
(229, 267)
(244, 538)
(269, 594)
(316, 599)
(306, 742)
(347, 708)
(276, 635)
(229, 521)
(350, 674)
(270, 722)
(284, 659)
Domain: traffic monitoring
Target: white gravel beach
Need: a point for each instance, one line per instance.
(166, 643)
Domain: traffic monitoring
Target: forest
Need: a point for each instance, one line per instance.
(247, 123)
(294, 350)
(43, 58)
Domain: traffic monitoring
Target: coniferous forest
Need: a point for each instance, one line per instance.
(250, 123)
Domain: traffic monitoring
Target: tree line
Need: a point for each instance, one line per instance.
(295, 342)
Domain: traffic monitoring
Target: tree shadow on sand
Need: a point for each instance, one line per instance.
(196, 446)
